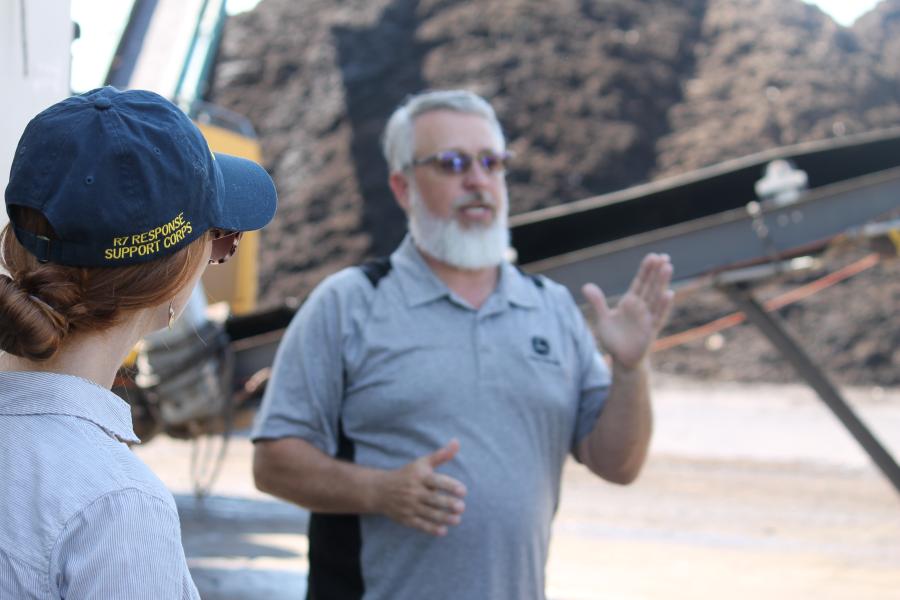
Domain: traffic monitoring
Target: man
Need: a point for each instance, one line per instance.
(424, 409)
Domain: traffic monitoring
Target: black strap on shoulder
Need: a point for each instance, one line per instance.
(535, 279)
(376, 268)
(335, 546)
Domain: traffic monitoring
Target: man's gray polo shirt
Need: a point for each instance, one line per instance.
(401, 368)
(80, 515)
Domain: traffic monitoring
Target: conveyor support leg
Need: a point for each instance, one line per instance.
(741, 295)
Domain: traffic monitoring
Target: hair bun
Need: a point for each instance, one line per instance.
(29, 326)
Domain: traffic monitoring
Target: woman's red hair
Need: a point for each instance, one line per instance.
(43, 303)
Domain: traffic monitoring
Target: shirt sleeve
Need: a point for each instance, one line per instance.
(595, 377)
(126, 544)
(304, 395)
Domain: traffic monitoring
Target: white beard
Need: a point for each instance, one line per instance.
(446, 240)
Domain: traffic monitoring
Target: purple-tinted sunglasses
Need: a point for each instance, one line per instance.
(224, 245)
(456, 162)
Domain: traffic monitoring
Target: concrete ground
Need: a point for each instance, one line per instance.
(751, 491)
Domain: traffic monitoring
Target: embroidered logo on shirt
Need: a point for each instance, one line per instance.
(540, 345)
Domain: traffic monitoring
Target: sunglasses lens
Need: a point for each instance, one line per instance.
(453, 162)
(490, 162)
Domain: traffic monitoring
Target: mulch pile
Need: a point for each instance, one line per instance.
(595, 96)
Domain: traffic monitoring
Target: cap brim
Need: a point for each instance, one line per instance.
(247, 194)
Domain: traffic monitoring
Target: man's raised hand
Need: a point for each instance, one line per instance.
(628, 330)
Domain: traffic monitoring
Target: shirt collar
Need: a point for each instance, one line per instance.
(38, 393)
(420, 285)
(519, 288)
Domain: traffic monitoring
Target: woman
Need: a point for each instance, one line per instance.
(116, 206)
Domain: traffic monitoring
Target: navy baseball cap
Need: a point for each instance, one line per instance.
(125, 177)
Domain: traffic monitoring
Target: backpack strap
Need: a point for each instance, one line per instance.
(375, 269)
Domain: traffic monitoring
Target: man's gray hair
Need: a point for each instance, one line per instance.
(399, 134)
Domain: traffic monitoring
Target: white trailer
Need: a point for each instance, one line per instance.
(35, 64)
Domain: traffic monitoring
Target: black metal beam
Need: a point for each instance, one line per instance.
(731, 238)
(741, 295)
(566, 228)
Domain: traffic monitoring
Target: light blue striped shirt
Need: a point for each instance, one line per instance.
(80, 515)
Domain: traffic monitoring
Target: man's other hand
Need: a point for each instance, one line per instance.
(416, 495)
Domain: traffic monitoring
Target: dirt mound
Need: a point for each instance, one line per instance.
(594, 96)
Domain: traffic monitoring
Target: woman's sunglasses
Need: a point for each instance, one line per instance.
(224, 245)
(454, 162)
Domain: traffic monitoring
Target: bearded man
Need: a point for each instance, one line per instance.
(423, 407)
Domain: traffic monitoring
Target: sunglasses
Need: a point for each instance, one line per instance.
(224, 245)
(454, 162)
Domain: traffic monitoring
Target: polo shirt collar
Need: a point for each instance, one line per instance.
(38, 393)
(518, 288)
(420, 285)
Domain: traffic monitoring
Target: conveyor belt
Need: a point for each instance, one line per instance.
(701, 219)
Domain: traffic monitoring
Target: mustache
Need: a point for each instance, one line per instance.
(477, 197)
